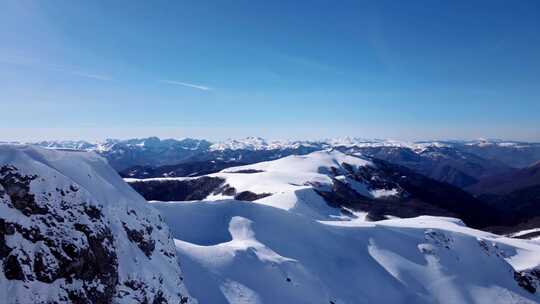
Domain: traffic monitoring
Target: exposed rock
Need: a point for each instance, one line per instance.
(177, 190)
(528, 279)
(75, 235)
(250, 196)
(246, 171)
(142, 238)
(65, 249)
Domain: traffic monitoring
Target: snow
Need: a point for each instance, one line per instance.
(289, 247)
(360, 188)
(524, 232)
(257, 143)
(252, 143)
(482, 142)
(240, 252)
(292, 180)
(315, 162)
(83, 180)
(361, 142)
(379, 193)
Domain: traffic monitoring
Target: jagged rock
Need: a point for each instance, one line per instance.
(71, 231)
(528, 279)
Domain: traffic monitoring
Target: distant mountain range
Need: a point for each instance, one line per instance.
(460, 163)
(258, 143)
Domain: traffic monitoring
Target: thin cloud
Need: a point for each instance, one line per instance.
(189, 85)
(35, 63)
(77, 72)
(93, 76)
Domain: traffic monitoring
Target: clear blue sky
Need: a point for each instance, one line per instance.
(278, 69)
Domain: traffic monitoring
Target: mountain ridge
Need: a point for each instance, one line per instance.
(71, 231)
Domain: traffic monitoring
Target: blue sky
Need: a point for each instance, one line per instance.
(278, 69)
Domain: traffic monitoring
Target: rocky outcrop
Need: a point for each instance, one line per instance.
(81, 237)
(528, 279)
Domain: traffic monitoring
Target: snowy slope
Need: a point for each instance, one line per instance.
(323, 185)
(241, 252)
(291, 181)
(291, 246)
(71, 231)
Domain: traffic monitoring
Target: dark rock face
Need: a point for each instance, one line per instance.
(70, 243)
(525, 155)
(528, 279)
(61, 243)
(177, 190)
(503, 184)
(516, 195)
(416, 195)
(188, 168)
(250, 196)
(247, 171)
(190, 189)
(520, 209)
(142, 238)
(152, 152)
(445, 164)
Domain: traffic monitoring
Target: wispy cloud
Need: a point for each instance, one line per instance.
(78, 72)
(36, 63)
(92, 76)
(189, 85)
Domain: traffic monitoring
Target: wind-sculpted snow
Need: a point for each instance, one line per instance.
(71, 231)
(241, 252)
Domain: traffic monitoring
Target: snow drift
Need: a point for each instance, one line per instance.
(243, 252)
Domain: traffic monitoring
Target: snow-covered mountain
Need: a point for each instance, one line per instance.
(243, 252)
(514, 154)
(443, 163)
(287, 237)
(259, 143)
(460, 168)
(68, 145)
(326, 183)
(71, 231)
(296, 231)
